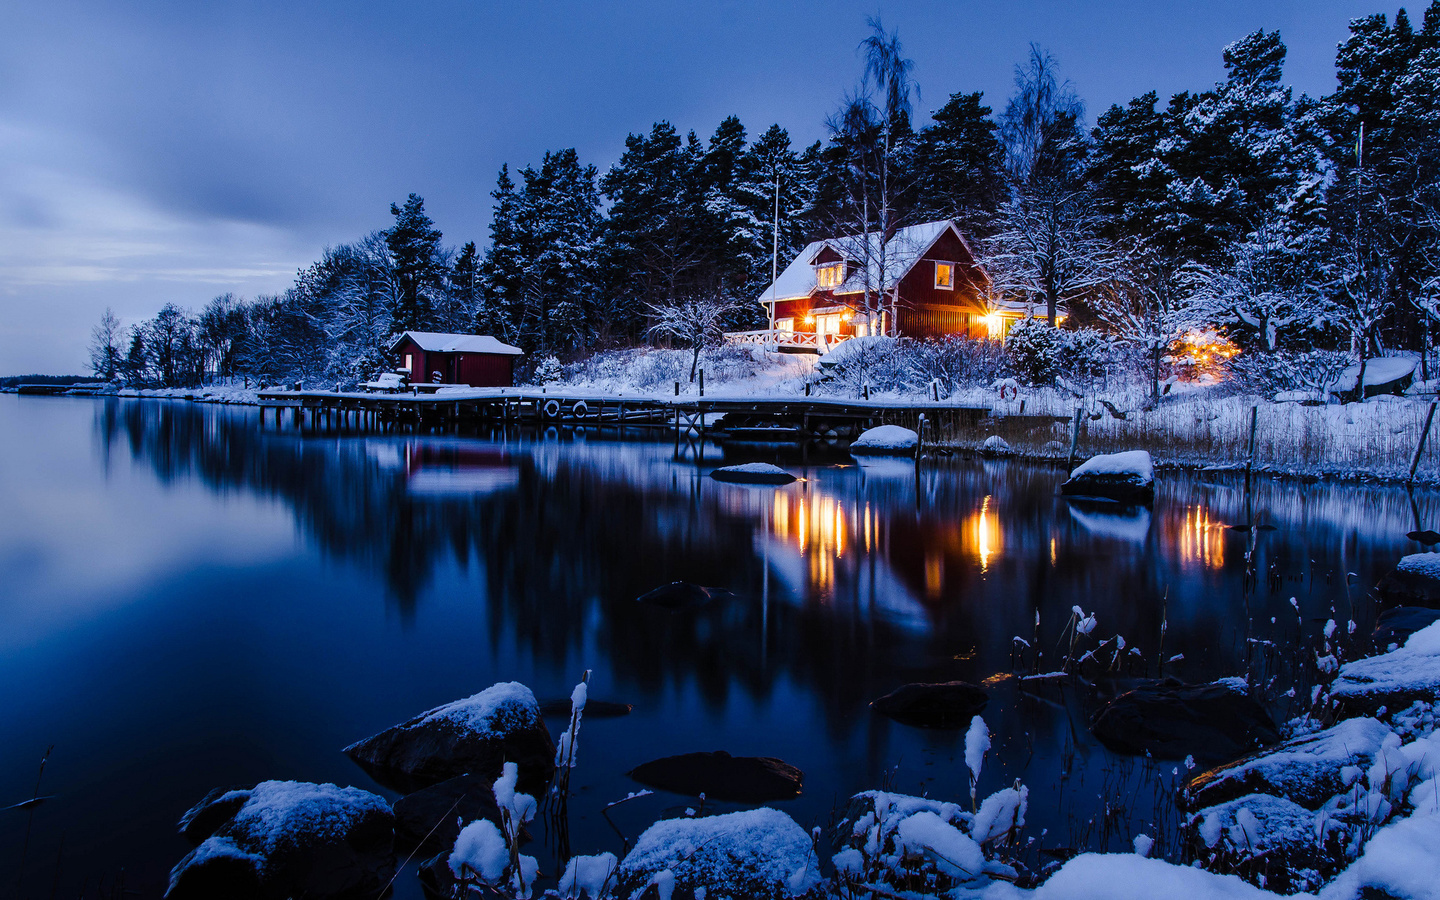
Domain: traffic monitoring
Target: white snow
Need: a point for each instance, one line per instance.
(955, 853)
(977, 742)
(1293, 769)
(1001, 811)
(1127, 876)
(1426, 565)
(588, 877)
(723, 853)
(1143, 844)
(480, 848)
(1377, 371)
(492, 711)
(1414, 667)
(886, 437)
(438, 342)
(754, 468)
(276, 808)
(1131, 462)
(995, 444)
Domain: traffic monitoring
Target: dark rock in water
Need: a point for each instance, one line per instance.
(429, 820)
(287, 839)
(218, 807)
(1395, 625)
(949, 705)
(720, 776)
(1427, 537)
(1171, 720)
(1415, 582)
(594, 709)
(753, 473)
(437, 882)
(1304, 770)
(473, 736)
(682, 595)
(1127, 477)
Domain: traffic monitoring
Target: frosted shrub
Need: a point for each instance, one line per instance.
(485, 856)
(547, 371)
(875, 362)
(954, 362)
(1034, 350)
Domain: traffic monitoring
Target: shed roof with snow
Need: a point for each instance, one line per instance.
(439, 342)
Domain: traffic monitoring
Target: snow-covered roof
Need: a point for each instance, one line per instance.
(902, 252)
(438, 342)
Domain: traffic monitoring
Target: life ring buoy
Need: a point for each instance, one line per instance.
(551, 409)
(1009, 390)
(580, 409)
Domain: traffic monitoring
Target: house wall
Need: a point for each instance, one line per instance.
(474, 369)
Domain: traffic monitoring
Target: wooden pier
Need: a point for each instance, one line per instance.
(759, 418)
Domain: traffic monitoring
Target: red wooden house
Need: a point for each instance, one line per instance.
(476, 360)
(925, 282)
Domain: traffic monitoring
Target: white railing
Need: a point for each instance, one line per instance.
(793, 340)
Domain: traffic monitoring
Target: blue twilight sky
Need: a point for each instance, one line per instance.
(169, 151)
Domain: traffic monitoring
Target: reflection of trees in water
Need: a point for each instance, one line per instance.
(854, 580)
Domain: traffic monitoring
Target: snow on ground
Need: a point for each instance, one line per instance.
(1377, 371)
(1411, 671)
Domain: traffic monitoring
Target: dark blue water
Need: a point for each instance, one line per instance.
(190, 602)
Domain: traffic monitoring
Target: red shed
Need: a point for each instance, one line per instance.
(477, 360)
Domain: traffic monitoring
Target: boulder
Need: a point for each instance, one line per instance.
(473, 736)
(995, 445)
(1171, 720)
(286, 839)
(753, 473)
(1414, 582)
(759, 854)
(428, 820)
(720, 776)
(1266, 840)
(1394, 626)
(1383, 375)
(886, 440)
(682, 595)
(1391, 680)
(951, 704)
(1304, 770)
(1127, 477)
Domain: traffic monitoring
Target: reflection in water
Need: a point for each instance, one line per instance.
(523, 558)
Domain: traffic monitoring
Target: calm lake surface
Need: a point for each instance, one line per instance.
(190, 602)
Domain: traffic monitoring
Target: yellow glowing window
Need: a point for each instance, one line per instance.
(945, 276)
(829, 276)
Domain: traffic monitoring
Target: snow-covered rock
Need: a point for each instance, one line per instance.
(885, 439)
(286, 839)
(1258, 836)
(1393, 680)
(950, 704)
(753, 473)
(1305, 770)
(1394, 626)
(475, 736)
(1169, 719)
(1127, 477)
(428, 819)
(995, 445)
(720, 776)
(1414, 582)
(1383, 375)
(760, 854)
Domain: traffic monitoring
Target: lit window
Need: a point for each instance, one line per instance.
(829, 276)
(945, 276)
(785, 324)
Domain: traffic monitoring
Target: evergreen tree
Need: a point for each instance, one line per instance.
(959, 165)
(414, 244)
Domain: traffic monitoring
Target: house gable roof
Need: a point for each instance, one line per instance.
(906, 248)
(438, 342)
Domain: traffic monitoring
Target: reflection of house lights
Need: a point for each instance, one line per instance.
(1198, 540)
(987, 535)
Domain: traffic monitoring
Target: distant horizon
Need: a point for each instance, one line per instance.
(172, 154)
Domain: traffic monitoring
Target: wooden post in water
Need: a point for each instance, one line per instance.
(1250, 453)
(919, 437)
(1420, 447)
(1074, 438)
(702, 382)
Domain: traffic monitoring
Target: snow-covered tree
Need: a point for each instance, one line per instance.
(1144, 303)
(414, 244)
(106, 346)
(697, 321)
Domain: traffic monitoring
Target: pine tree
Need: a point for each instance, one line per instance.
(414, 244)
(959, 165)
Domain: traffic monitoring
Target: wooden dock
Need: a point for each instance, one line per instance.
(749, 418)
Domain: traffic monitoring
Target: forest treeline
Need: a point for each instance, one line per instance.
(1288, 222)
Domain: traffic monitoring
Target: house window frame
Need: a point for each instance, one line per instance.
(952, 267)
(826, 281)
